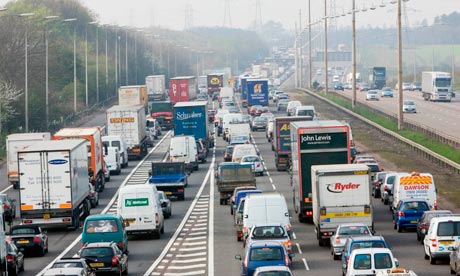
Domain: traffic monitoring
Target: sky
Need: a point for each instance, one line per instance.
(173, 13)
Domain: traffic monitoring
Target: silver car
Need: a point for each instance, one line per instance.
(409, 107)
(344, 231)
(165, 204)
(270, 232)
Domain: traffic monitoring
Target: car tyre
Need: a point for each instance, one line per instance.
(336, 257)
(399, 228)
(426, 257)
(433, 260)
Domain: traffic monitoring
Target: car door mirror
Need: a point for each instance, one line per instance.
(396, 262)
(423, 231)
(246, 216)
(238, 257)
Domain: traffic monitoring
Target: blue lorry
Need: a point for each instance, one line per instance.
(191, 118)
(169, 177)
(257, 90)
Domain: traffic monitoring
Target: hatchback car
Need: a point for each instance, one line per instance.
(253, 109)
(378, 180)
(416, 86)
(408, 212)
(409, 107)
(261, 110)
(14, 258)
(424, 222)
(256, 163)
(372, 95)
(105, 257)
(344, 231)
(259, 123)
(228, 153)
(165, 204)
(442, 237)
(387, 92)
(273, 271)
(270, 232)
(29, 238)
(9, 207)
(260, 254)
(60, 266)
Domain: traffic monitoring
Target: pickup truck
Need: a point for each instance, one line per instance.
(169, 177)
(230, 175)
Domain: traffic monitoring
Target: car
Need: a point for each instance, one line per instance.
(202, 97)
(155, 126)
(353, 153)
(14, 258)
(372, 95)
(409, 107)
(282, 104)
(255, 161)
(215, 95)
(211, 115)
(373, 166)
(270, 232)
(239, 140)
(341, 234)
(29, 238)
(363, 156)
(268, 115)
(93, 196)
(273, 271)
(415, 86)
(261, 110)
(228, 153)
(424, 222)
(150, 133)
(339, 86)
(282, 96)
(408, 212)
(406, 86)
(364, 87)
(386, 187)
(348, 86)
(165, 204)
(9, 207)
(259, 123)
(387, 92)
(257, 254)
(253, 109)
(378, 180)
(454, 261)
(441, 238)
(60, 267)
(275, 95)
(292, 105)
(105, 257)
(358, 242)
(106, 176)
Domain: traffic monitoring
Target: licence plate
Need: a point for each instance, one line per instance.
(96, 264)
(446, 242)
(131, 221)
(168, 193)
(413, 221)
(22, 241)
(46, 216)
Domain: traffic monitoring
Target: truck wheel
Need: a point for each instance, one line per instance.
(181, 197)
(222, 201)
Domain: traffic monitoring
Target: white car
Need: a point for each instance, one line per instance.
(344, 231)
(409, 107)
(372, 95)
(254, 160)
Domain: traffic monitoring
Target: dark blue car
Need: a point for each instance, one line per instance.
(268, 253)
(239, 195)
(359, 242)
(408, 212)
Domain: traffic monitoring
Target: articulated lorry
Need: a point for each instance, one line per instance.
(182, 89)
(93, 137)
(341, 194)
(377, 77)
(156, 90)
(322, 142)
(436, 86)
(257, 92)
(281, 143)
(129, 123)
(169, 177)
(16, 142)
(54, 183)
(133, 95)
(215, 82)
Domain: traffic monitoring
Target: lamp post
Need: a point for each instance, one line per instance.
(26, 84)
(47, 116)
(126, 55)
(74, 63)
(309, 45)
(353, 55)
(400, 99)
(325, 49)
(97, 63)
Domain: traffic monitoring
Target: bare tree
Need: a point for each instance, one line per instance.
(9, 94)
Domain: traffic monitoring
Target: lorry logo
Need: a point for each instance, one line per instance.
(57, 161)
(120, 120)
(215, 81)
(258, 88)
(185, 116)
(415, 179)
(339, 187)
(285, 127)
(174, 89)
(136, 202)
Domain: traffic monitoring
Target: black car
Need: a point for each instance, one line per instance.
(14, 258)
(339, 87)
(29, 238)
(228, 153)
(215, 95)
(105, 257)
(74, 262)
(9, 207)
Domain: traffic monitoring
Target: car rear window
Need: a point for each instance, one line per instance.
(353, 230)
(262, 232)
(97, 251)
(266, 254)
(368, 244)
(449, 228)
(416, 205)
(362, 261)
(382, 261)
(105, 225)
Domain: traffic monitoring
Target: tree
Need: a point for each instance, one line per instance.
(9, 94)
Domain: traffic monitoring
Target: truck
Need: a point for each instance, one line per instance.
(169, 177)
(321, 142)
(93, 137)
(377, 77)
(341, 194)
(156, 89)
(54, 183)
(230, 175)
(203, 84)
(191, 118)
(243, 89)
(281, 143)
(436, 86)
(215, 81)
(129, 123)
(182, 89)
(15, 142)
(257, 92)
(350, 78)
(162, 112)
(133, 95)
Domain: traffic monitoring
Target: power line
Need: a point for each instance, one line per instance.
(227, 15)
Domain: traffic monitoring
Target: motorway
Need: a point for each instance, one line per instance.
(200, 239)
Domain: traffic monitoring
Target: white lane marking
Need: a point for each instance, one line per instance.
(211, 214)
(298, 248)
(188, 261)
(271, 180)
(190, 255)
(7, 188)
(306, 264)
(294, 236)
(192, 249)
(107, 208)
(274, 187)
(181, 267)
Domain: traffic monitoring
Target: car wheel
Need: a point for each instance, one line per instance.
(426, 257)
(399, 228)
(418, 237)
(42, 251)
(433, 260)
(231, 210)
(162, 230)
(125, 272)
(451, 270)
(394, 226)
(336, 257)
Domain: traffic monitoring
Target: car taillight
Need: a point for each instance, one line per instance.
(114, 260)
(120, 244)
(286, 260)
(400, 214)
(37, 240)
(337, 240)
(348, 259)
(287, 243)
(9, 258)
(385, 188)
(5, 206)
(157, 218)
(245, 263)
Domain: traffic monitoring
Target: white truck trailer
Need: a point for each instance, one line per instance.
(54, 183)
(341, 194)
(129, 122)
(16, 142)
(436, 86)
(156, 90)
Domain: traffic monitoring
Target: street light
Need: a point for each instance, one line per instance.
(74, 63)
(47, 113)
(86, 66)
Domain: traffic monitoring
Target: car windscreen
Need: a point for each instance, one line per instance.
(449, 228)
(96, 251)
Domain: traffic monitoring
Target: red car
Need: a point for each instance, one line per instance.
(261, 110)
(211, 115)
(254, 109)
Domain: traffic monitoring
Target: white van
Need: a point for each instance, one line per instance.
(112, 160)
(183, 149)
(241, 150)
(227, 120)
(292, 105)
(117, 141)
(442, 237)
(305, 110)
(237, 130)
(369, 261)
(414, 185)
(140, 206)
(265, 208)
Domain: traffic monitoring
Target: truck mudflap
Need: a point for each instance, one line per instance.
(306, 213)
(138, 151)
(282, 163)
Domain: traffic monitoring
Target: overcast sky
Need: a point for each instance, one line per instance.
(172, 13)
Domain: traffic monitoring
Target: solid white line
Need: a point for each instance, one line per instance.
(298, 248)
(7, 188)
(198, 272)
(211, 215)
(305, 263)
